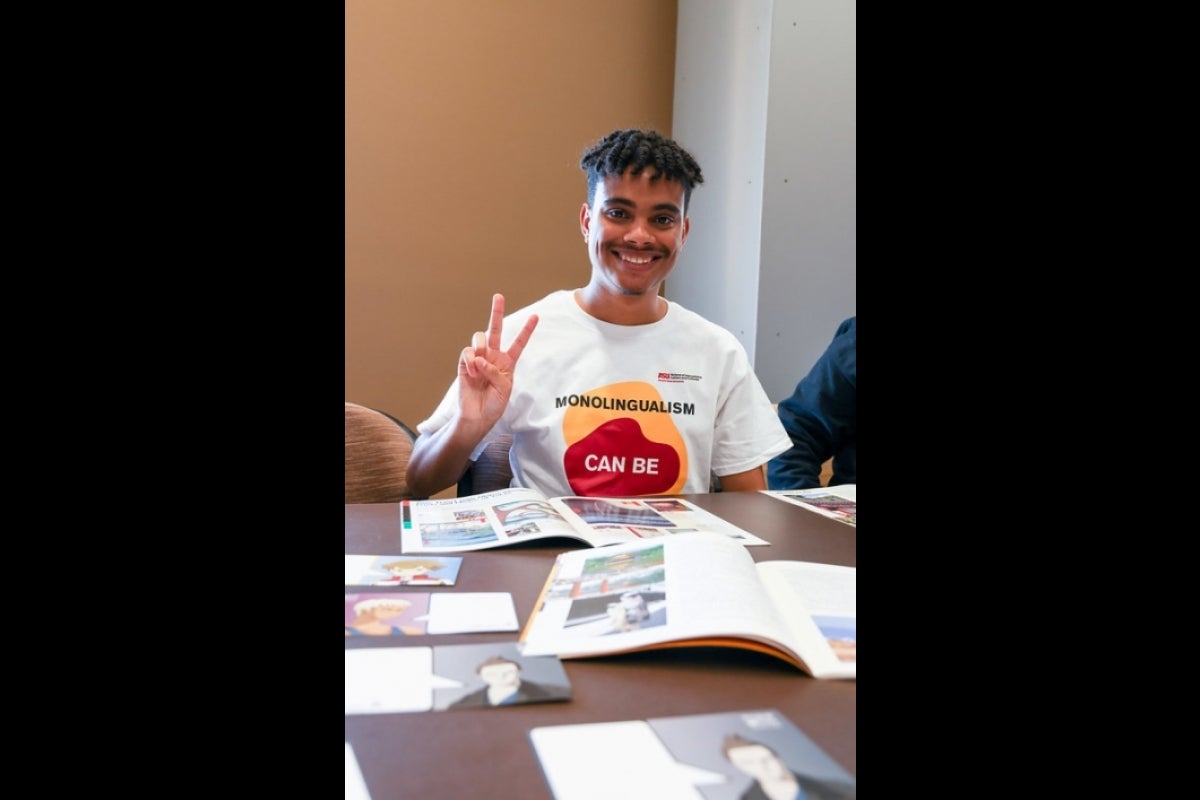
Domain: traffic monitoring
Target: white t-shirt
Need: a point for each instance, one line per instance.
(625, 410)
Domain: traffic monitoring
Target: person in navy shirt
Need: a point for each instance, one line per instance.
(821, 418)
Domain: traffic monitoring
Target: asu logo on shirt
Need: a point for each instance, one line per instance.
(622, 440)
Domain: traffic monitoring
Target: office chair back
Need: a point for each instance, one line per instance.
(378, 447)
(491, 471)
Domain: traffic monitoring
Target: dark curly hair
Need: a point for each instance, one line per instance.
(635, 150)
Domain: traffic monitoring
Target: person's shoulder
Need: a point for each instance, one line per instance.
(849, 327)
(844, 349)
(685, 316)
(555, 300)
(550, 309)
(532, 689)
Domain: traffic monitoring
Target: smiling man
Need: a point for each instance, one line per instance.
(620, 392)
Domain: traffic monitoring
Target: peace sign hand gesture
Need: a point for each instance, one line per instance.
(485, 372)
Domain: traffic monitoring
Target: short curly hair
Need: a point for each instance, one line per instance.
(634, 150)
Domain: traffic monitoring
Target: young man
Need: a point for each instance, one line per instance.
(620, 392)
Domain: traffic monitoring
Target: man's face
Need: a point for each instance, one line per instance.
(635, 229)
(758, 762)
(501, 674)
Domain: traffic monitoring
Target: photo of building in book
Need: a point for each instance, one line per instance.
(521, 517)
(615, 594)
(597, 511)
(835, 506)
(457, 534)
(643, 532)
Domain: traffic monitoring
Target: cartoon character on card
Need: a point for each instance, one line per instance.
(373, 617)
(412, 571)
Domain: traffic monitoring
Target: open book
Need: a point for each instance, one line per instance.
(699, 590)
(839, 502)
(509, 516)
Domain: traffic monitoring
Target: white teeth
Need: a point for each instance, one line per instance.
(633, 260)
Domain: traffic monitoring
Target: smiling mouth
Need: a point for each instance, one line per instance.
(637, 259)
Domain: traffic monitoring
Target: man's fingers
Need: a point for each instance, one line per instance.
(479, 341)
(495, 322)
(518, 345)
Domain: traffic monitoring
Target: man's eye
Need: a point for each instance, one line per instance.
(615, 213)
(665, 220)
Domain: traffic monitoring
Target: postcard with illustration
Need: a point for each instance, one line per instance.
(402, 570)
(420, 613)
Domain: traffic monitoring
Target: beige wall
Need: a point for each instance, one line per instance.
(465, 122)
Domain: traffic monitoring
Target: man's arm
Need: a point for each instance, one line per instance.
(440, 458)
(749, 481)
(820, 415)
(485, 376)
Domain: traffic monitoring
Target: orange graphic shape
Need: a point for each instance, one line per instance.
(580, 423)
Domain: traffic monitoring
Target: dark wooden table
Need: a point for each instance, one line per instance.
(486, 753)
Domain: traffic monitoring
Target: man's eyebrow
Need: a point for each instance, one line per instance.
(626, 203)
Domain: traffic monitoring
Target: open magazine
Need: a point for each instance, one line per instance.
(702, 590)
(510, 516)
(839, 502)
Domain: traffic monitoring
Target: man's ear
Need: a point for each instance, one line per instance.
(585, 220)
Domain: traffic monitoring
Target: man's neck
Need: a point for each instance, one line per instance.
(620, 309)
(783, 788)
(498, 693)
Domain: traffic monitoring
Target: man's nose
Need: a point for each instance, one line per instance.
(639, 233)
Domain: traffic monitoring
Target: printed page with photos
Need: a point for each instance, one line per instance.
(838, 502)
(510, 516)
(704, 590)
